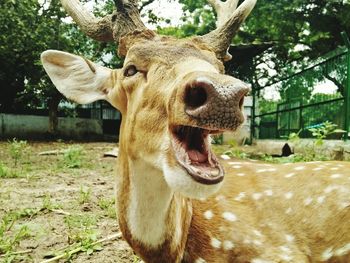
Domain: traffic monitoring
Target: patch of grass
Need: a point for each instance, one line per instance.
(108, 205)
(17, 150)
(84, 195)
(72, 158)
(10, 236)
(82, 232)
(6, 172)
(48, 205)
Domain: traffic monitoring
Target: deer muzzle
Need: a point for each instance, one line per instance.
(213, 105)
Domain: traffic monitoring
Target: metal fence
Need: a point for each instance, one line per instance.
(305, 100)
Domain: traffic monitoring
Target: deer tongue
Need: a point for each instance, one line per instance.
(197, 157)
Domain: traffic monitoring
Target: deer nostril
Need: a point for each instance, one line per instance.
(241, 102)
(195, 96)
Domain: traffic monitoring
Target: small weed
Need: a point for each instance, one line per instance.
(9, 238)
(6, 172)
(84, 195)
(17, 150)
(48, 204)
(108, 205)
(73, 157)
(323, 130)
(81, 232)
(80, 221)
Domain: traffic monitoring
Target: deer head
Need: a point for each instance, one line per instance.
(172, 93)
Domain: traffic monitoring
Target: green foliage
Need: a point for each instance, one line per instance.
(11, 235)
(73, 157)
(6, 172)
(17, 150)
(323, 131)
(108, 205)
(84, 195)
(48, 204)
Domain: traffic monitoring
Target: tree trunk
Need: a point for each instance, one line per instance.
(53, 115)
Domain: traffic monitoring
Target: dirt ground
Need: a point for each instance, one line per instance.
(53, 204)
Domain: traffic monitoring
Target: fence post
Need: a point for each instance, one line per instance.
(252, 120)
(347, 88)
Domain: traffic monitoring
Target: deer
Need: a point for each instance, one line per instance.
(178, 201)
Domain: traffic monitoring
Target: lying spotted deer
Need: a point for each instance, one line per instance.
(174, 204)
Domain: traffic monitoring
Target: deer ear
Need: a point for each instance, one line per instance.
(77, 78)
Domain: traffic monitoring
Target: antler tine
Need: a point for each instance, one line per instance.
(97, 28)
(223, 10)
(227, 25)
(124, 20)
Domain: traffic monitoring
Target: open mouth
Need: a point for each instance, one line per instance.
(192, 150)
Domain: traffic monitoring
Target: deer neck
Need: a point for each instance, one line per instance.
(154, 220)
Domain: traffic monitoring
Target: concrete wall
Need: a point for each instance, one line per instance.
(36, 127)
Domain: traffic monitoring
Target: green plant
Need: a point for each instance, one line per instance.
(108, 205)
(48, 204)
(84, 195)
(73, 157)
(323, 130)
(217, 139)
(17, 150)
(10, 236)
(6, 172)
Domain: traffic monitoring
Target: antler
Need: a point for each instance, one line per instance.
(109, 28)
(126, 19)
(229, 19)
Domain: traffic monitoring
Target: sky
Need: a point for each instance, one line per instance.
(163, 8)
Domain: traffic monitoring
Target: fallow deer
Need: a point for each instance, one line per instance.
(173, 201)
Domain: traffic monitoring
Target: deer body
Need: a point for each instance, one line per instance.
(263, 213)
(173, 202)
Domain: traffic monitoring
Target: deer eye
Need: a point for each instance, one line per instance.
(130, 71)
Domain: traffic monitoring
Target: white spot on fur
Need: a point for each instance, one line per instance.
(237, 166)
(225, 157)
(321, 199)
(289, 210)
(290, 238)
(299, 168)
(343, 250)
(318, 169)
(288, 195)
(208, 214)
(336, 176)
(247, 241)
(241, 174)
(240, 196)
(268, 192)
(219, 198)
(228, 245)
(330, 189)
(327, 254)
(334, 168)
(308, 201)
(285, 249)
(289, 175)
(215, 243)
(256, 196)
(261, 170)
(286, 257)
(257, 242)
(229, 216)
(257, 233)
